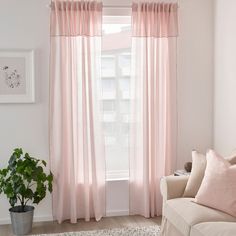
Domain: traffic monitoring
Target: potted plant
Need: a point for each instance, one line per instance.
(22, 181)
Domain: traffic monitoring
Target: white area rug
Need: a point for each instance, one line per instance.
(129, 231)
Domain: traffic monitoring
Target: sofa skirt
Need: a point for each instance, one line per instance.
(168, 229)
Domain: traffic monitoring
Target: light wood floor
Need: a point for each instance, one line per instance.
(105, 223)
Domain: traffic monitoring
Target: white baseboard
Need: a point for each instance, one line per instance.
(117, 213)
(6, 221)
(43, 218)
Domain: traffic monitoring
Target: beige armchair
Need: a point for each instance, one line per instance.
(183, 217)
(173, 187)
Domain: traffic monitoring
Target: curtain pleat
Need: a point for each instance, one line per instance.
(152, 19)
(153, 102)
(76, 140)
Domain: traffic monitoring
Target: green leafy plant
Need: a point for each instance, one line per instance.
(24, 179)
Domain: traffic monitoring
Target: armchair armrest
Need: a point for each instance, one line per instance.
(173, 186)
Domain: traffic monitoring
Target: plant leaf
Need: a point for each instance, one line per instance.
(25, 178)
(44, 163)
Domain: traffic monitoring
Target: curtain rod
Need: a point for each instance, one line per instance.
(106, 6)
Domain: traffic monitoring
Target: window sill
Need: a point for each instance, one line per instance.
(117, 179)
(121, 175)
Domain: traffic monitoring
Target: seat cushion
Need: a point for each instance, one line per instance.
(214, 229)
(183, 213)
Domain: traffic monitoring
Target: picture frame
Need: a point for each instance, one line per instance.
(17, 78)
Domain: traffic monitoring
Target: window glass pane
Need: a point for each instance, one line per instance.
(124, 107)
(108, 88)
(108, 128)
(110, 141)
(116, 63)
(108, 66)
(109, 106)
(109, 117)
(124, 128)
(124, 64)
(124, 86)
(108, 85)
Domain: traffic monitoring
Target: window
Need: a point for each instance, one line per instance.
(116, 63)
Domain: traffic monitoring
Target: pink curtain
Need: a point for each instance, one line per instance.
(76, 141)
(153, 122)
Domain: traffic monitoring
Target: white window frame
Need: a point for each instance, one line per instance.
(113, 16)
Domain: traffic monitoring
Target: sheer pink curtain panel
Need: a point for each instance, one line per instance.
(76, 140)
(153, 88)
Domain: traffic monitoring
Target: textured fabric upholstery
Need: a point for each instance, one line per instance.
(214, 229)
(196, 175)
(168, 229)
(183, 217)
(173, 186)
(218, 188)
(183, 213)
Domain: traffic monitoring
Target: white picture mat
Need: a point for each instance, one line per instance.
(28, 96)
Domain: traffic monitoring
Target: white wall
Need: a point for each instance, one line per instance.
(225, 77)
(195, 77)
(25, 24)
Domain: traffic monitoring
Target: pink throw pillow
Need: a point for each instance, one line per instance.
(218, 188)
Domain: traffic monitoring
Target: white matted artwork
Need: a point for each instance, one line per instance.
(17, 76)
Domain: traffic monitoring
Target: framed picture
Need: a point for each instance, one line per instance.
(17, 76)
